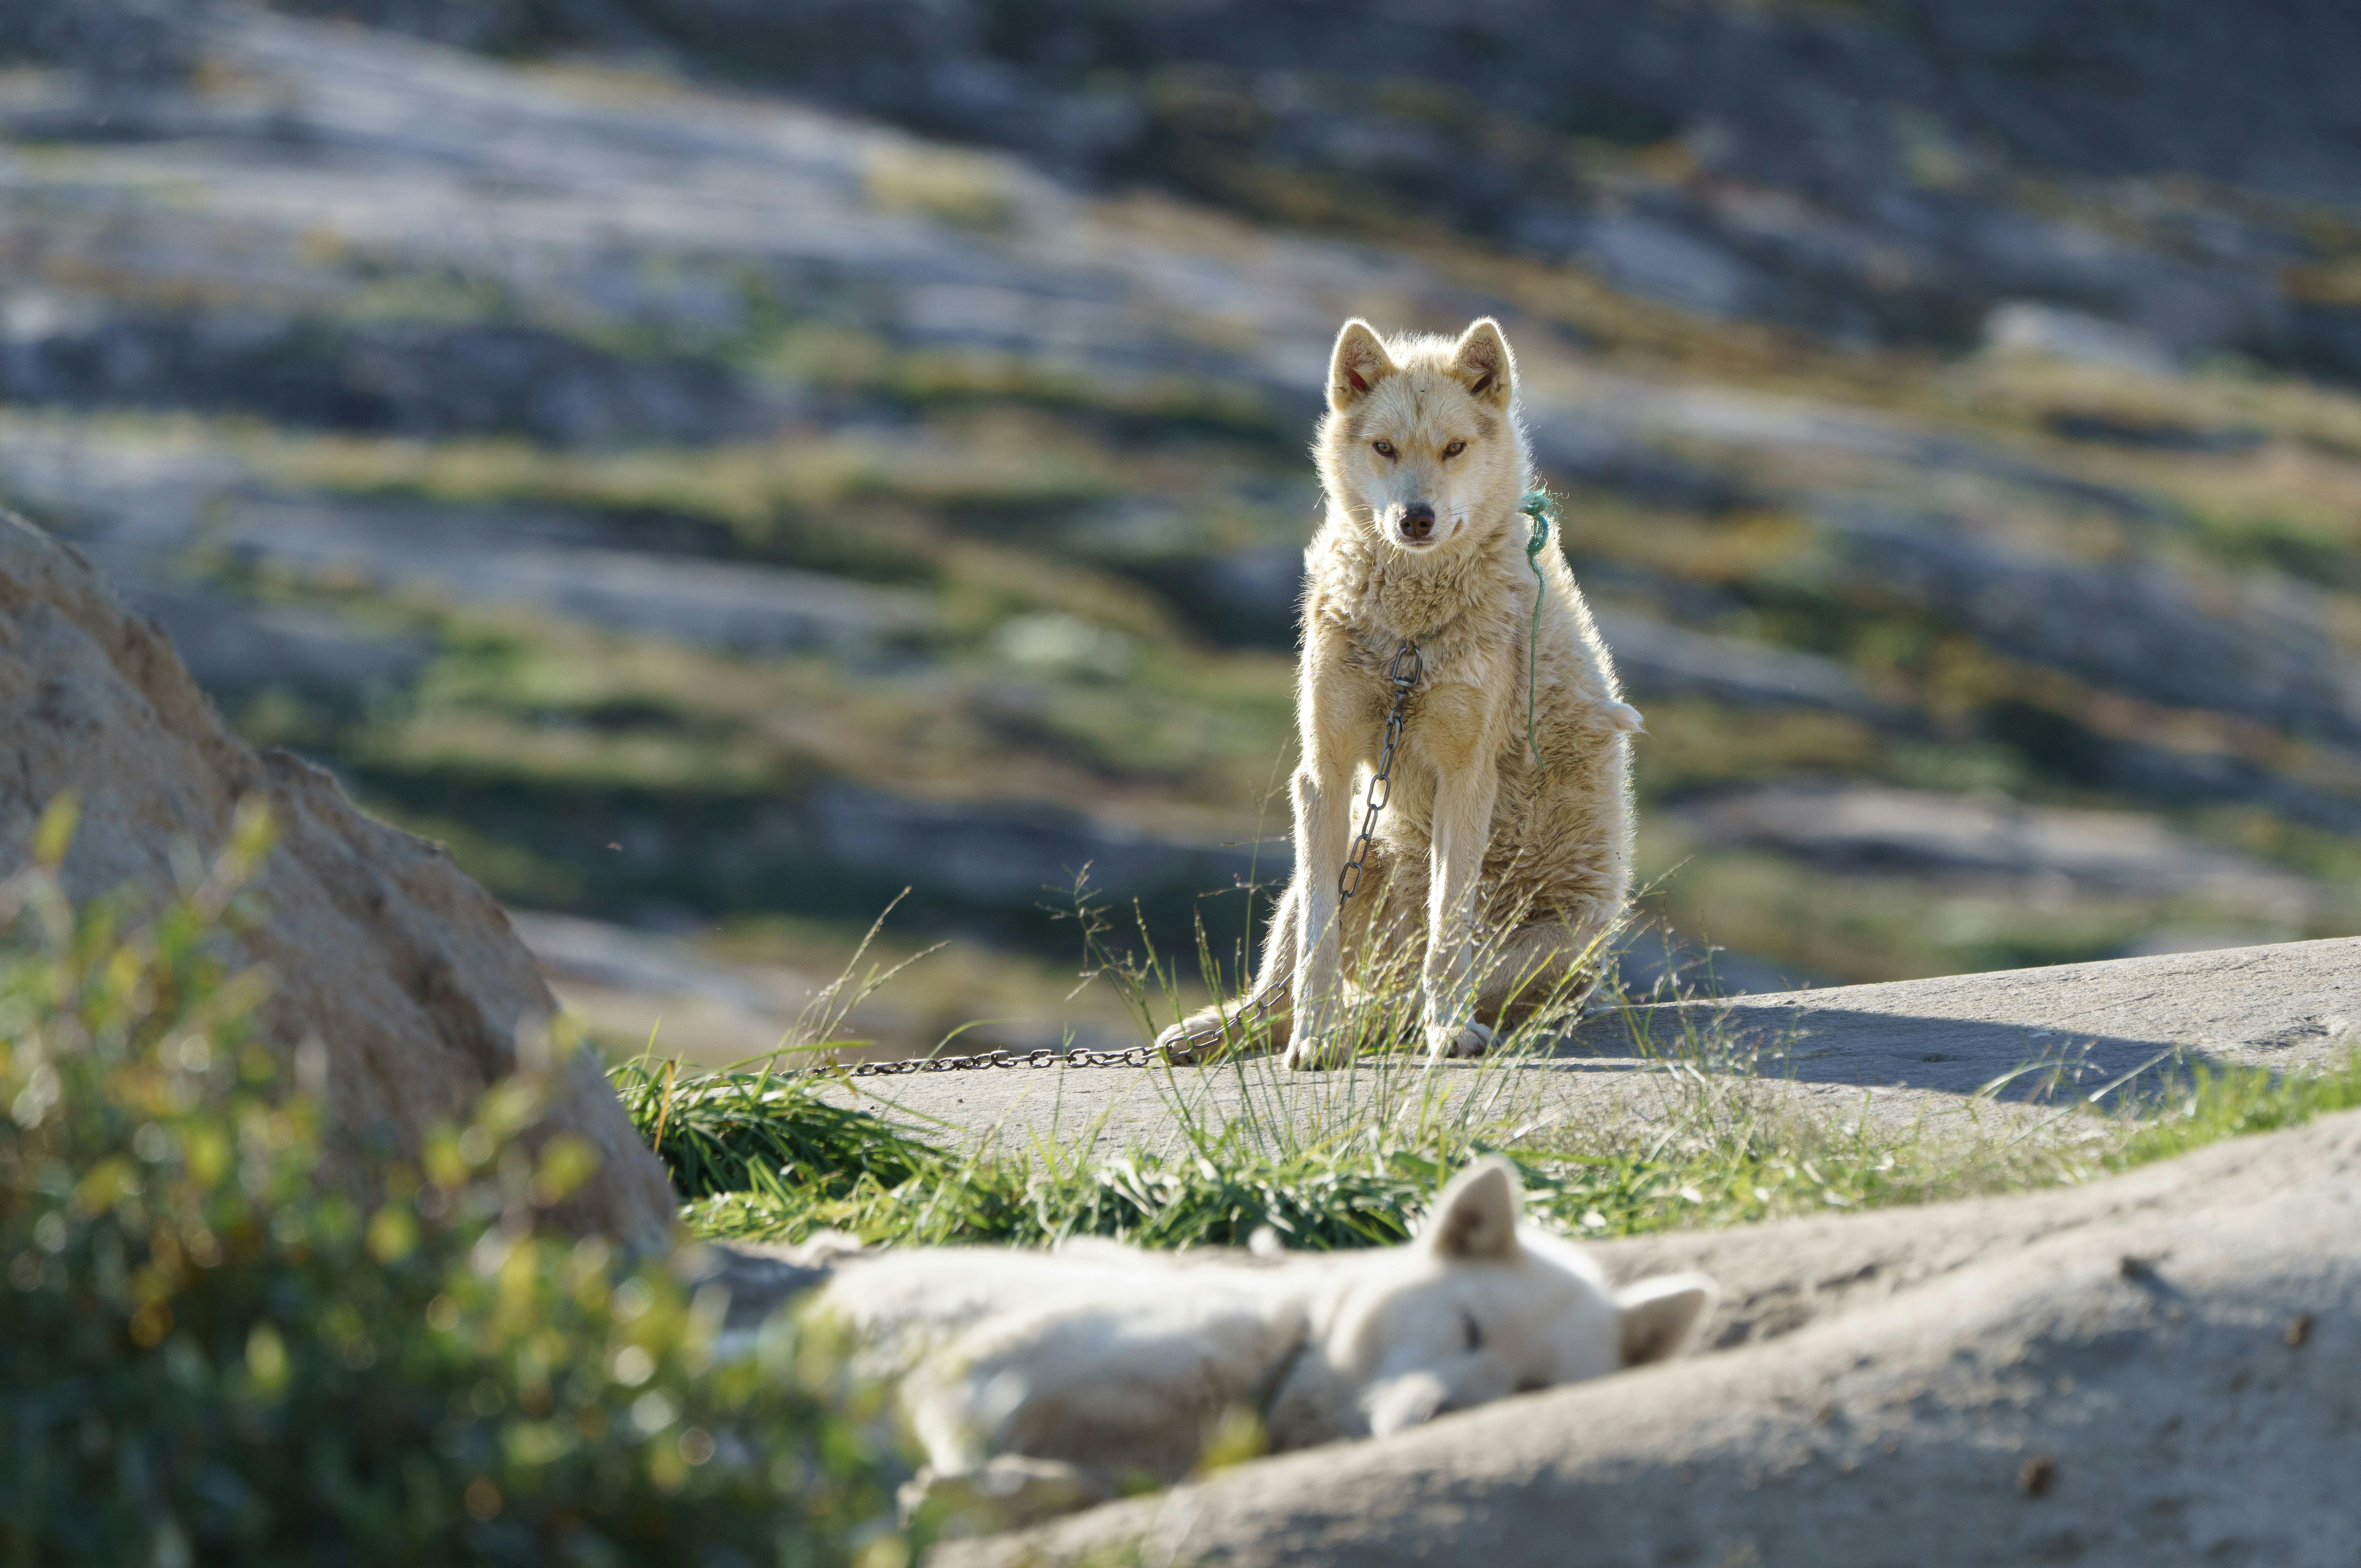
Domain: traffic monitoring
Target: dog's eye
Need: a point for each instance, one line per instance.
(1454, 449)
(1385, 449)
(1474, 1329)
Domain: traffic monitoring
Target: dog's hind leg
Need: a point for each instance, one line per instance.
(1541, 970)
(1274, 986)
(1378, 943)
(1260, 1020)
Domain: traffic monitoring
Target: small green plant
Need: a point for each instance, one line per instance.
(765, 1131)
(1365, 1197)
(2230, 1102)
(211, 1358)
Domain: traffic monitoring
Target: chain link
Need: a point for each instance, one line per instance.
(1260, 1007)
(1381, 784)
(1043, 1055)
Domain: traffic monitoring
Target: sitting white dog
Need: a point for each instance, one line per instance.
(1044, 1381)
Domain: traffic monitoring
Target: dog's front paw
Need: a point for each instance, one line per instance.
(1310, 1052)
(1470, 1039)
(1324, 1037)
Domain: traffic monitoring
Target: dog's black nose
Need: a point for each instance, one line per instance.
(1418, 521)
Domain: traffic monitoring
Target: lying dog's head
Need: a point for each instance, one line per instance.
(1476, 1310)
(1421, 443)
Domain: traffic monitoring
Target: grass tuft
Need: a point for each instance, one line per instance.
(2232, 1102)
(761, 1132)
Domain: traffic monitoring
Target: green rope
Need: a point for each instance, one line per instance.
(1537, 505)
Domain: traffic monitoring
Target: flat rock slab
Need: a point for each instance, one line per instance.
(1908, 1047)
(1276, 1110)
(2290, 1005)
(2164, 1368)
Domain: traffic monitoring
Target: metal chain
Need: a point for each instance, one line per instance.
(1381, 785)
(1043, 1055)
(1260, 1007)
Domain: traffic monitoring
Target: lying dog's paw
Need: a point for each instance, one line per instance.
(1470, 1039)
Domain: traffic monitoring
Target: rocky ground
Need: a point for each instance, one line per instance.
(1947, 1055)
(2153, 1368)
(712, 509)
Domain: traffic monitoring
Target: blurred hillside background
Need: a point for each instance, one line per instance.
(719, 463)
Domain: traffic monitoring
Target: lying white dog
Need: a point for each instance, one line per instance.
(1042, 1381)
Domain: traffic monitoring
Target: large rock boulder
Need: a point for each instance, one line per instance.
(404, 970)
(2162, 1367)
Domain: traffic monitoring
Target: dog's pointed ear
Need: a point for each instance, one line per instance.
(1484, 365)
(1664, 1317)
(1475, 1218)
(1359, 363)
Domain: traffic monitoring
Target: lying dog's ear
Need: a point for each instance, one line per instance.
(1484, 365)
(1475, 1218)
(1664, 1317)
(1359, 363)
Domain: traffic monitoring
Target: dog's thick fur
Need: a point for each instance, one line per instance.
(1041, 1381)
(1492, 878)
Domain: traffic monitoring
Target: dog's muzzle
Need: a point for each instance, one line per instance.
(1417, 526)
